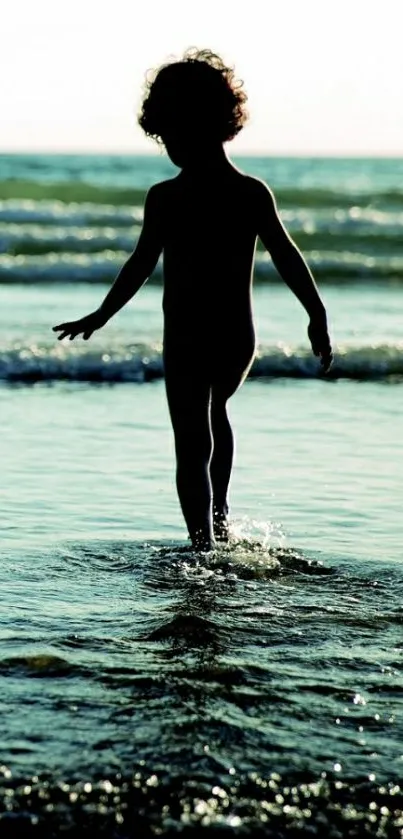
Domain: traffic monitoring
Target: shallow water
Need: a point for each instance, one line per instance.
(131, 665)
(322, 459)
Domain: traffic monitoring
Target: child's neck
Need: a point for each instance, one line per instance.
(212, 161)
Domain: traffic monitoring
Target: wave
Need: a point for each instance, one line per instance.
(27, 211)
(40, 665)
(350, 220)
(80, 191)
(62, 268)
(322, 197)
(70, 191)
(80, 233)
(33, 240)
(102, 267)
(143, 363)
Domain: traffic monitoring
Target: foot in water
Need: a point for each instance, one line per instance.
(204, 540)
(202, 543)
(221, 527)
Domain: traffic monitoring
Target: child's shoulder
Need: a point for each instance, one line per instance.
(157, 195)
(161, 191)
(257, 185)
(161, 187)
(261, 195)
(256, 188)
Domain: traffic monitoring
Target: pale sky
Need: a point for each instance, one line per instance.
(321, 76)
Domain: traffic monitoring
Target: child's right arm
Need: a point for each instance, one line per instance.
(132, 275)
(294, 271)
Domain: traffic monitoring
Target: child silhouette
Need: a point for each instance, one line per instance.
(205, 221)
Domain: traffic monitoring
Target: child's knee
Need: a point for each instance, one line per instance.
(219, 416)
(194, 445)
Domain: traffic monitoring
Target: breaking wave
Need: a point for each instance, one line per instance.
(143, 363)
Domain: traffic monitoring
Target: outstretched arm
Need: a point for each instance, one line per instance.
(132, 275)
(294, 271)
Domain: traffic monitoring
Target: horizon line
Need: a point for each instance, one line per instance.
(244, 153)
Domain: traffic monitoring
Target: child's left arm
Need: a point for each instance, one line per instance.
(132, 275)
(293, 269)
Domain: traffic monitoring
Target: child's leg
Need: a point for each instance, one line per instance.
(221, 463)
(189, 406)
(223, 388)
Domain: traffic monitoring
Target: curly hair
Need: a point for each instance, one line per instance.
(199, 94)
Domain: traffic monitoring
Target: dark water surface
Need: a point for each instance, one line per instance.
(257, 690)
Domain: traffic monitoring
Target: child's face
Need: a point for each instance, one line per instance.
(179, 147)
(186, 142)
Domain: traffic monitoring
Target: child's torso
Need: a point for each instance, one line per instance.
(209, 239)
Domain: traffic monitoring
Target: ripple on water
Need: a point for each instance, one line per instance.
(41, 665)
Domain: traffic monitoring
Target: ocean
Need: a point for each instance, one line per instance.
(144, 690)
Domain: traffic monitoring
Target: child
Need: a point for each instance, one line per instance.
(205, 221)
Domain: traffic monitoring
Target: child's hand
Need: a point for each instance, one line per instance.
(86, 325)
(320, 341)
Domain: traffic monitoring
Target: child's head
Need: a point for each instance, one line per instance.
(193, 101)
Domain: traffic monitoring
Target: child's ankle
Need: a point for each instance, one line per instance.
(221, 526)
(202, 541)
